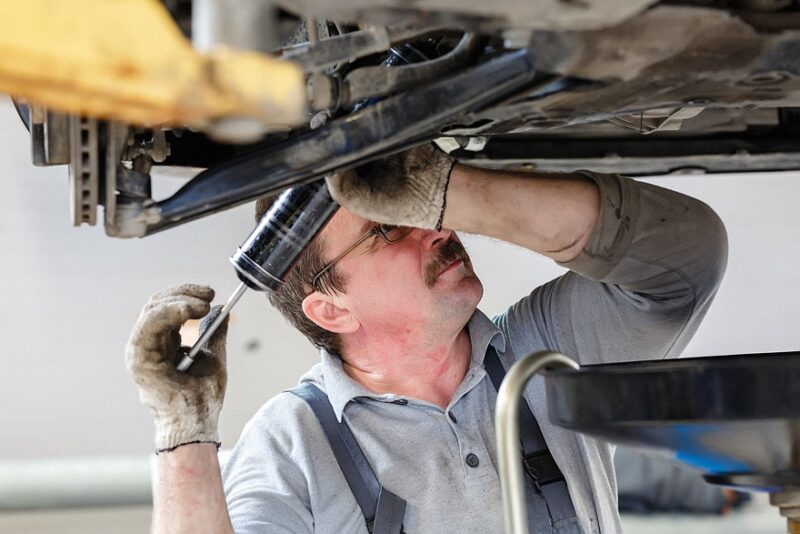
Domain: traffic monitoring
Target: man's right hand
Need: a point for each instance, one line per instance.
(185, 406)
(406, 189)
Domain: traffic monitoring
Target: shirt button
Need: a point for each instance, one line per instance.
(452, 417)
(472, 460)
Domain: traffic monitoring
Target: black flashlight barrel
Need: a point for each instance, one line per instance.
(285, 230)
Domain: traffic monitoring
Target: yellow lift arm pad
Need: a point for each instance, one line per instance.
(127, 60)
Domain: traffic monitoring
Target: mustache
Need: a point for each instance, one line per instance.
(447, 254)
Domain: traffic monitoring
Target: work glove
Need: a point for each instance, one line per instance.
(406, 189)
(185, 405)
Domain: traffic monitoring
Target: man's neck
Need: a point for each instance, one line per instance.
(427, 372)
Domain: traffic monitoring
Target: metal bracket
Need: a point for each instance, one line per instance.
(49, 136)
(326, 92)
(380, 81)
(394, 124)
(349, 46)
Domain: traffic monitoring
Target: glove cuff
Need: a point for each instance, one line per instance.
(427, 185)
(430, 187)
(171, 433)
(170, 449)
(444, 196)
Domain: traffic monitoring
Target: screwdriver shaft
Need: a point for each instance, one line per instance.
(187, 360)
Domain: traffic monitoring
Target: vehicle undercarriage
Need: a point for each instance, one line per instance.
(638, 87)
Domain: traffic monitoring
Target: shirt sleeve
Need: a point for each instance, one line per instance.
(640, 287)
(266, 489)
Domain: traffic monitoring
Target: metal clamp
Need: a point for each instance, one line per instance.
(507, 429)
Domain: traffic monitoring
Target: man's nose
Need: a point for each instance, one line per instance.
(431, 239)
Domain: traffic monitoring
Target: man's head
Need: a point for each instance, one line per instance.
(422, 283)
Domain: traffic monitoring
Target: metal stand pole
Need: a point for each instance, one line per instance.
(507, 430)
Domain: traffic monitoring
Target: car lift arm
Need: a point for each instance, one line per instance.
(127, 60)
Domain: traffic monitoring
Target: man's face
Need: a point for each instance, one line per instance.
(423, 281)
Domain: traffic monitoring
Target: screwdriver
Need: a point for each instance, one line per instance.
(269, 252)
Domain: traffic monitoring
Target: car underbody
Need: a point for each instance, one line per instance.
(636, 87)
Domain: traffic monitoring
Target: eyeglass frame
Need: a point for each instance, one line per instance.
(374, 231)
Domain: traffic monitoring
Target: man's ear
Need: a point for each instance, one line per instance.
(326, 312)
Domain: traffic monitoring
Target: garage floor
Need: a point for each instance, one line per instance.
(757, 518)
(121, 520)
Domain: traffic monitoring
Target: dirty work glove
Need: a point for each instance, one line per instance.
(186, 405)
(406, 189)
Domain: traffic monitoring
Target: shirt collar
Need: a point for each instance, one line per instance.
(482, 333)
(342, 389)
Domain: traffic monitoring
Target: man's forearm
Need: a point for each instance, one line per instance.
(554, 216)
(189, 497)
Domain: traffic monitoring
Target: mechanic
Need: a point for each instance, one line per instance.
(394, 312)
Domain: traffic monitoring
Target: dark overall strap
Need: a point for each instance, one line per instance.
(382, 509)
(537, 460)
(550, 507)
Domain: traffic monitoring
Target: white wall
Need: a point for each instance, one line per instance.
(70, 295)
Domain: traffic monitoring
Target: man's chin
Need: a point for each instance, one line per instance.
(470, 289)
(478, 288)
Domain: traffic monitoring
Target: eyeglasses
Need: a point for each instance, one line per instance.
(389, 233)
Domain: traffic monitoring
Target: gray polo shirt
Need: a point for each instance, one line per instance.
(638, 291)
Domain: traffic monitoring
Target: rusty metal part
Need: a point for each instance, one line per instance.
(765, 5)
(657, 120)
(150, 143)
(127, 60)
(349, 46)
(84, 170)
(380, 81)
(541, 14)
(378, 130)
(718, 63)
(95, 169)
(709, 40)
(244, 24)
(116, 137)
(49, 136)
(788, 502)
(635, 158)
(768, 21)
(323, 92)
(331, 92)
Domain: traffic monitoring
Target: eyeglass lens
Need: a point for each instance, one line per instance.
(394, 233)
